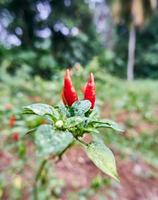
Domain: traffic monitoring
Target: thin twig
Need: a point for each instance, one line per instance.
(38, 175)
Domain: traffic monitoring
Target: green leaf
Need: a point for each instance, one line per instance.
(89, 130)
(63, 110)
(103, 158)
(41, 109)
(107, 124)
(79, 108)
(74, 121)
(50, 141)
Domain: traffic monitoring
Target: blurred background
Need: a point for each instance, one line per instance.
(117, 40)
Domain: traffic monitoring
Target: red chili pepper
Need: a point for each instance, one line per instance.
(12, 121)
(69, 94)
(15, 136)
(90, 93)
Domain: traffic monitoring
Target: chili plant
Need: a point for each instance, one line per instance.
(68, 122)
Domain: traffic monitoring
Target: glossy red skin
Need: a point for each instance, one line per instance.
(63, 98)
(90, 92)
(69, 94)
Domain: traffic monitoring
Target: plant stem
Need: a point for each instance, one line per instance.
(82, 142)
(38, 175)
(61, 154)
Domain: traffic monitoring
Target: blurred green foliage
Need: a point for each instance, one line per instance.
(65, 35)
(146, 64)
(52, 35)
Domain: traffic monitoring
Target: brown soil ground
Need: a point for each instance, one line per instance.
(138, 181)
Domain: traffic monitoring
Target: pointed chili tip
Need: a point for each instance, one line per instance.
(91, 77)
(67, 74)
